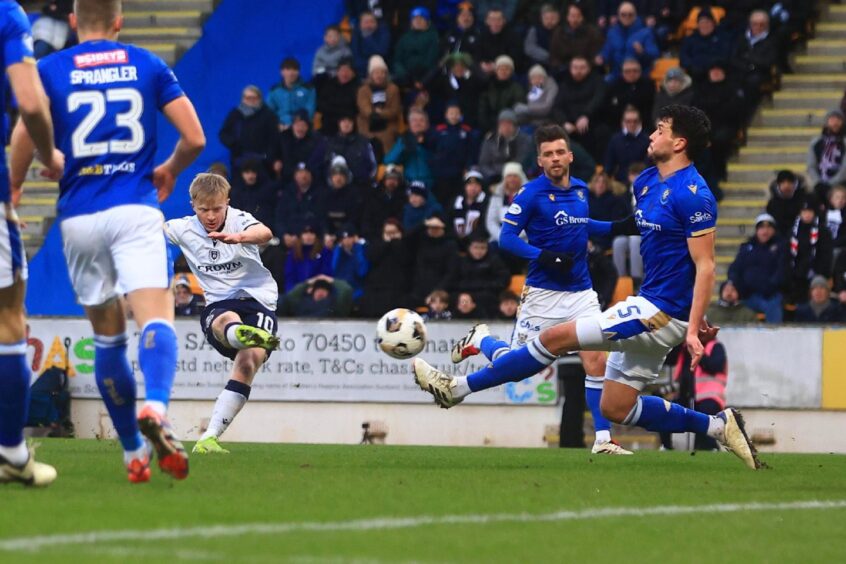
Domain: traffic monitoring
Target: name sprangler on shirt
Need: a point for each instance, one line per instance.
(108, 75)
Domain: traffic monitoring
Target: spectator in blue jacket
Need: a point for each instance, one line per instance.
(704, 48)
(368, 39)
(758, 271)
(349, 262)
(456, 149)
(421, 206)
(628, 38)
(820, 308)
(291, 95)
(307, 258)
(627, 146)
(413, 150)
(302, 201)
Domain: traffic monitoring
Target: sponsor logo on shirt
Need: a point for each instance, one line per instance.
(115, 57)
(107, 169)
(562, 218)
(225, 267)
(693, 188)
(515, 209)
(699, 217)
(642, 223)
(665, 196)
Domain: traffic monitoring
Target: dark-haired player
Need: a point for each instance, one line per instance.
(676, 215)
(553, 211)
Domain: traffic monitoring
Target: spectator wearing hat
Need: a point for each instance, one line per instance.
(574, 38)
(414, 149)
(825, 154)
(631, 88)
(370, 37)
(253, 192)
(704, 47)
(819, 308)
(536, 107)
(186, 303)
(421, 206)
(416, 52)
(539, 37)
(787, 195)
(349, 261)
(307, 258)
(501, 197)
(250, 130)
(329, 55)
(435, 254)
(336, 97)
(456, 149)
(343, 199)
(498, 39)
(755, 54)
(578, 107)
(628, 38)
(481, 273)
(356, 151)
(811, 251)
(728, 309)
(627, 146)
(458, 82)
(291, 95)
(468, 209)
(298, 144)
(503, 92)
(723, 101)
(387, 201)
(302, 201)
(759, 270)
(388, 281)
(504, 145)
(676, 88)
(379, 106)
(463, 36)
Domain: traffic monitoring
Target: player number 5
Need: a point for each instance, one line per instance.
(96, 101)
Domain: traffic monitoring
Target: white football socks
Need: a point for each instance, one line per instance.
(157, 406)
(461, 388)
(16, 455)
(716, 427)
(232, 338)
(227, 406)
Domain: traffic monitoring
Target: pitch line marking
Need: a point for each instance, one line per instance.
(34, 543)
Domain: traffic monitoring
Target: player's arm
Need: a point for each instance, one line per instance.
(181, 113)
(513, 223)
(256, 234)
(627, 226)
(35, 112)
(701, 250)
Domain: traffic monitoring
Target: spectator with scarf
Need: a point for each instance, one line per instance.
(810, 252)
(826, 151)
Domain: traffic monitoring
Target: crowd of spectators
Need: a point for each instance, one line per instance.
(385, 178)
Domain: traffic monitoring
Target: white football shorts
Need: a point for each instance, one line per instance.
(639, 336)
(115, 251)
(12, 257)
(540, 308)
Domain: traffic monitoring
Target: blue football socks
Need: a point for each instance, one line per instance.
(513, 366)
(490, 347)
(116, 383)
(593, 395)
(157, 356)
(14, 393)
(658, 415)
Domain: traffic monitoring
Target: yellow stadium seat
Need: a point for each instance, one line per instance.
(517, 283)
(660, 69)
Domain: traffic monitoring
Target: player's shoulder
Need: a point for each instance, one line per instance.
(535, 185)
(181, 223)
(646, 176)
(12, 14)
(690, 185)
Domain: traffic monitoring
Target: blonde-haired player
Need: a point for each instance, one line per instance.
(221, 246)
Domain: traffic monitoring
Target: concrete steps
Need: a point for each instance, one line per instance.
(787, 99)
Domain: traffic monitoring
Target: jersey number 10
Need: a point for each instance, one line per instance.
(96, 101)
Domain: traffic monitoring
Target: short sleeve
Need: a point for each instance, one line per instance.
(167, 86)
(518, 212)
(173, 230)
(17, 38)
(698, 209)
(245, 220)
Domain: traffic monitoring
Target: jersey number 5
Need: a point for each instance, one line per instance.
(96, 101)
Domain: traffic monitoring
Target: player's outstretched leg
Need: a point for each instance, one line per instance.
(157, 355)
(240, 336)
(116, 383)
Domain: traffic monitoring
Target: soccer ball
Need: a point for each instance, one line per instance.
(401, 333)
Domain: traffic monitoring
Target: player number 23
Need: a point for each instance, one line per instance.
(96, 101)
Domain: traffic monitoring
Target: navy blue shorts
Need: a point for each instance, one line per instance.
(251, 313)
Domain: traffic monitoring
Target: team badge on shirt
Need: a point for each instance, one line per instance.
(665, 195)
(580, 194)
(551, 197)
(214, 254)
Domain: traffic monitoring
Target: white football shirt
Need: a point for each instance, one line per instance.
(224, 271)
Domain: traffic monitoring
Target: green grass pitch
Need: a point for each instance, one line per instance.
(335, 503)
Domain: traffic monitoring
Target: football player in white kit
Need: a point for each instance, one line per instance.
(221, 246)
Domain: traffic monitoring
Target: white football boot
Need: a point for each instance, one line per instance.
(440, 385)
(470, 344)
(736, 440)
(609, 447)
(31, 473)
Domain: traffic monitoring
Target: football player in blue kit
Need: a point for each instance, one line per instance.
(676, 216)
(553, 211)
(104, 98)
(17, 463)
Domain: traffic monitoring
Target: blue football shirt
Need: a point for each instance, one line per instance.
(555, 219)
(16, 39)
(668, 212)
(104, 97)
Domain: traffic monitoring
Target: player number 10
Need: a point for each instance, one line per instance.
(96, 101)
